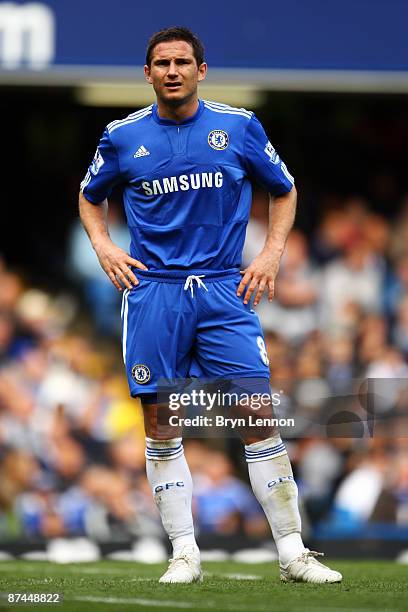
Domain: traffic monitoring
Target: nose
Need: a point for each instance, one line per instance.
(173, 70)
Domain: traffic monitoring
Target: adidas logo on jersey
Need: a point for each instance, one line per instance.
(141, 152)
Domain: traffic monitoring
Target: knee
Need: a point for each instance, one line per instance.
(251, 437)
(156, 422)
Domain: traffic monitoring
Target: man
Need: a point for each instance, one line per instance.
(185, 165)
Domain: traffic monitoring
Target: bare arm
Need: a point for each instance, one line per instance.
(114, 261)
(264, 268)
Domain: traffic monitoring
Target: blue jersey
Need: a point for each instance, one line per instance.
(186, 186)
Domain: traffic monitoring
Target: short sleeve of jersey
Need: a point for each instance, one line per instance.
(263, 163)
(103, 173)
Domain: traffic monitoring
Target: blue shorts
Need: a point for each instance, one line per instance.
(178, 324)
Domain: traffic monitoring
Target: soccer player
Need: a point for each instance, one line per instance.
(185, 165)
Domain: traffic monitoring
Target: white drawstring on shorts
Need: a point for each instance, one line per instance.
(190, 283)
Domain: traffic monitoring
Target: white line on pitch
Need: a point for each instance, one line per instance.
(154, 603)
(159, 603)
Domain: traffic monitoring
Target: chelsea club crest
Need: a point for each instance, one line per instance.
(141, 373)
(218, 139)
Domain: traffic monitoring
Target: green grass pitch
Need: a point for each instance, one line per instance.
(227, 587)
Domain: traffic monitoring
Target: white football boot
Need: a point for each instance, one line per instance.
(184, 567)
(306, 568)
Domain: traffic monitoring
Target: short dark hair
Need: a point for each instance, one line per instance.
(176, 33)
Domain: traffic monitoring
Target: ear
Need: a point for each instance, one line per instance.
(202, 71)
(147, 74)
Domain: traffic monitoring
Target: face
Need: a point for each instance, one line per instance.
(174, 73)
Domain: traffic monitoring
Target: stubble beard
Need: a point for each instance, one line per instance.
(176, 103)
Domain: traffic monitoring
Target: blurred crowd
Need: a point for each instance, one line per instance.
(72, 441)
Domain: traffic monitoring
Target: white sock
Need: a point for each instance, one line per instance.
(169, 476)
(272, 482)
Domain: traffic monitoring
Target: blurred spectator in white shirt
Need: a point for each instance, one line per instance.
(355, 278)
